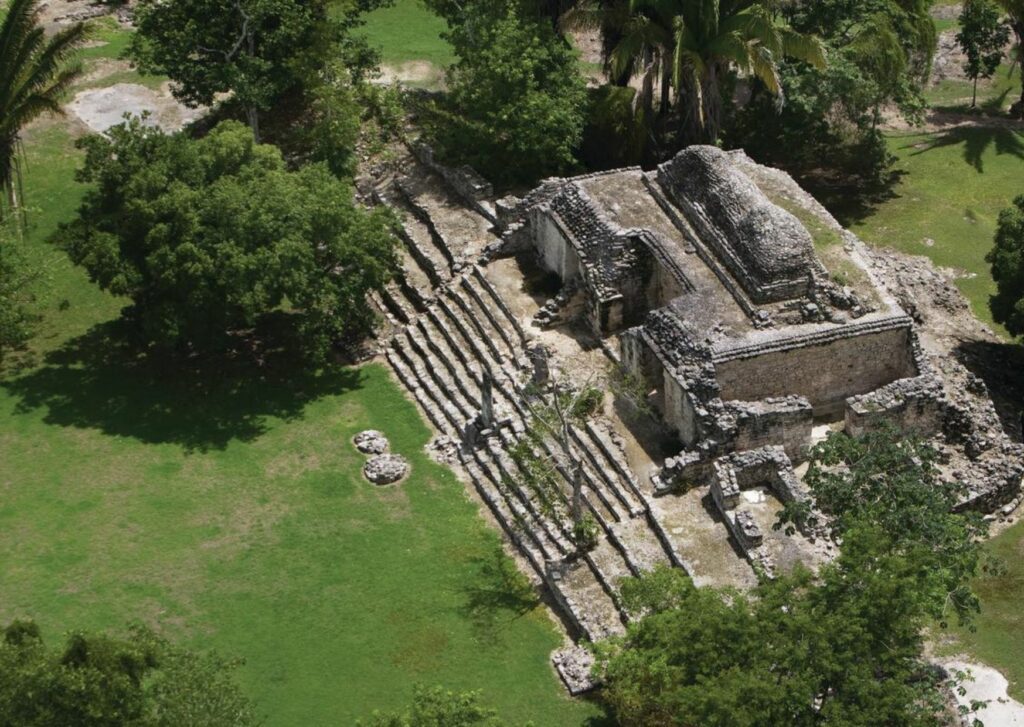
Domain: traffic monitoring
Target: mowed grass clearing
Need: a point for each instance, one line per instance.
(947, 203)
(408, 31)
(228, 510)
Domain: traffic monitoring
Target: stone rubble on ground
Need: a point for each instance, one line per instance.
(385, 469)
(371, 442)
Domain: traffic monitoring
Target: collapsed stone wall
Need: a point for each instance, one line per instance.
(913, 405)
(471, 187)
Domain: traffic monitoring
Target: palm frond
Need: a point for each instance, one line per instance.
(807, 48)
(764, 67)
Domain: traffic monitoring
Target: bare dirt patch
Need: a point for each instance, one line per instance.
(102, 108)
(419, 73)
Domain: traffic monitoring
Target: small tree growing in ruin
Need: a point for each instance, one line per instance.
(556, 410)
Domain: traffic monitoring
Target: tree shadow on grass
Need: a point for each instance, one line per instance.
(499, 595)
(849, 198)
(976, 140)
(101, 381)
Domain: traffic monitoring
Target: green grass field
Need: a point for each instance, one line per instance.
(952, 191)
(407, 31)
(227, 509)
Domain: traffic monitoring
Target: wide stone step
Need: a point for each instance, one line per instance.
(424, 216)
(485, 285)
(640, 545)
(494, 316)
(514, 479)
(439, 373)
(476, 348)
(479, 323)
(618, 489)
(527, 516)
(453, 418)
(536, 548)
(409, 381)
(610, 568)
(583, 598)
(397, 304)
(631, 494)
(465, 382)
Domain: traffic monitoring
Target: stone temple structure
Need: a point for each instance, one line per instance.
(725, 307)
(751, 323)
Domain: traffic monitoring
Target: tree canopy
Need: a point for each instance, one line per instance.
(95, 680)
(209, 237)
(1007, 261)
(879, 57)
(254, 49)
(842, 647)
(983, 37)
(516, 102)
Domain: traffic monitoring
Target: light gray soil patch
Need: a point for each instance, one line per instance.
(988, 685)
(102, 108)
(415, 73)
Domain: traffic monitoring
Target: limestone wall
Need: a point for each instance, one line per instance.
(825, 373)
(554, 248)
(785, 422)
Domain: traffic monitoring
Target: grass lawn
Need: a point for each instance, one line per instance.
(997, 640)
(407, 31)
(229, 511)
(954, 187)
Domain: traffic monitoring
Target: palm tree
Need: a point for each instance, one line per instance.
(1015, 9)
(35, 73)
(690, 45)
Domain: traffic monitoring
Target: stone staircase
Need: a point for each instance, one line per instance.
(442, 343)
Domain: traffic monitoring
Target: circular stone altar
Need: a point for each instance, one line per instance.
(371, 442)
(384, 469)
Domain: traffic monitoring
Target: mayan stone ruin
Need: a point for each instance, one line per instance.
(729, 323)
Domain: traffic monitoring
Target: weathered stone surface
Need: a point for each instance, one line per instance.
(384, 469)
(764, 246)
(574, 664)
(371, 442)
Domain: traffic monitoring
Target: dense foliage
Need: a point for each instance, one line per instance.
(843, 647)
(1007, 260)
(209, 237)
(96, 679)
(35, 73)
(254, 49)
(983, 37)
(516, 104)
(891, 479)
(879, 57)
